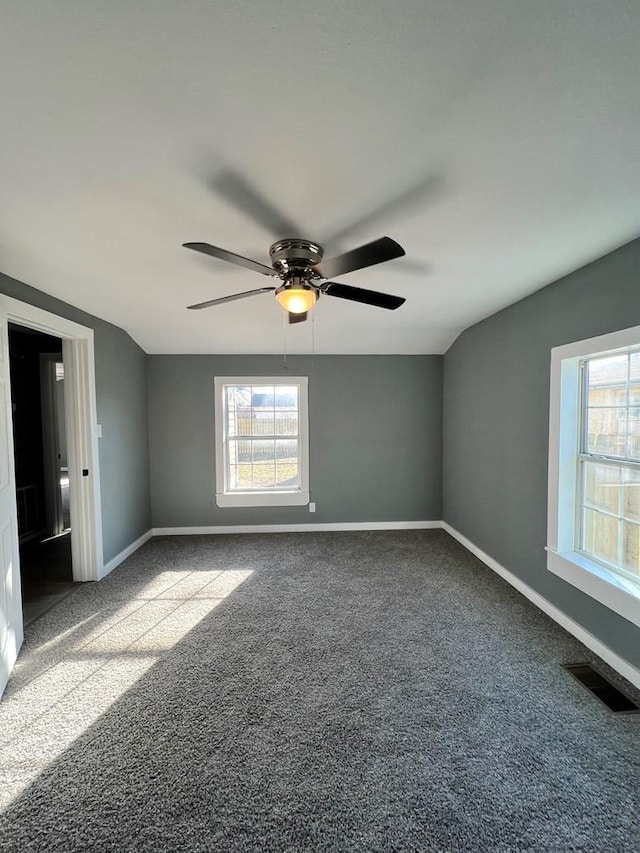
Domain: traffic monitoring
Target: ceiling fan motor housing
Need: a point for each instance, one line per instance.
(294, 255)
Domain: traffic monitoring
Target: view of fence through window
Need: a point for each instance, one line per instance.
(262, 437)
(610, 463)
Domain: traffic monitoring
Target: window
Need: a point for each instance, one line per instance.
(594, 469)
(610, 462)
(262, 444)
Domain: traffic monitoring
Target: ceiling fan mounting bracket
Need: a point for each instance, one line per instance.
(294, 254)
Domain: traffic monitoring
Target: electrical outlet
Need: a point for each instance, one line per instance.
(312, 507)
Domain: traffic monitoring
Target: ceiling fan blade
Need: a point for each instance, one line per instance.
(384, 249)
(398, 207)
(223, 255)
(236, 190)
(367, 297)
(231, 298)
(297, 318)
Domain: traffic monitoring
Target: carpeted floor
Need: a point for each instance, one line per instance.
(377, 691)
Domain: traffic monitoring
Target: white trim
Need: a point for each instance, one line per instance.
(292, 497)
(29, 315)
(81, 421)
(596, 581)
(619, 664)
(297, 528)
(283, 498)
(11, 627)
(601, 345)
(114, 562)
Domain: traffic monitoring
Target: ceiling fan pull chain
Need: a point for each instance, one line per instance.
(284, 342)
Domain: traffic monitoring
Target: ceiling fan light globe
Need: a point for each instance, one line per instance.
(297, 300)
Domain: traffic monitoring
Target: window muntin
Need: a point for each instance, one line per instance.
(261, 441)
(609, 463)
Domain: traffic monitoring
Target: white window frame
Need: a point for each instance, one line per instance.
(563, 558)
(288, 497)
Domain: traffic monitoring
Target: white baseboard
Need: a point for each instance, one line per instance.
(297, 528)
(626, 670)
(127, 552)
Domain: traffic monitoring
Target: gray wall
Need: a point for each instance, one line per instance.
(375, 438)
(496, 422)
(122, 411)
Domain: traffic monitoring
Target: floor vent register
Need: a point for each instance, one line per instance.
(610, 695)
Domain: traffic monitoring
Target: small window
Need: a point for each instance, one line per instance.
(594, 469)
(262, 444)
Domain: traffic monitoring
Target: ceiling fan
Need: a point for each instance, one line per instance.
(303, 274)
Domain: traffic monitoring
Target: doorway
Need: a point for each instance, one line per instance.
(83, 463)
(41, 469)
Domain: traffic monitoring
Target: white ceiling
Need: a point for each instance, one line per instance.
(498, 141)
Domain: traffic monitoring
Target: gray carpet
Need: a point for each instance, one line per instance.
(309, 692)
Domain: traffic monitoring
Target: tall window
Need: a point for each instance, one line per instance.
(262, 447)
(610, 462)
(594, 469)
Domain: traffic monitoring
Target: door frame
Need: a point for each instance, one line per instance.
(82, 431)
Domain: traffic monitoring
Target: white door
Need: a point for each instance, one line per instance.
(10, 596)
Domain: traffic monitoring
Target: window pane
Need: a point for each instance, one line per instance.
(607, 380)
(262, 422)
(240, 451)
(608, 395)
(633, 448)
(607, 431)
(264, 475)
(262, 396)
(286, 450)
(286, 397)
(232, 411)
(600, 536)
(631, 548)
(238, 397)
(631, 501)
(287, 475)
(602, 487)
(240, 476)
(263, 451)
(240, 423)
(286, 423)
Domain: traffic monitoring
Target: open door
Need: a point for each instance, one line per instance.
(10, 596)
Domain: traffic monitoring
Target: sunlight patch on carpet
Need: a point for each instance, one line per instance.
(43, 719)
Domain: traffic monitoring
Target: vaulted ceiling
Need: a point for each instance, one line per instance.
(497, 141)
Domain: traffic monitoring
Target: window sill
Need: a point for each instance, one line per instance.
(596, 581)
(263, 499)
